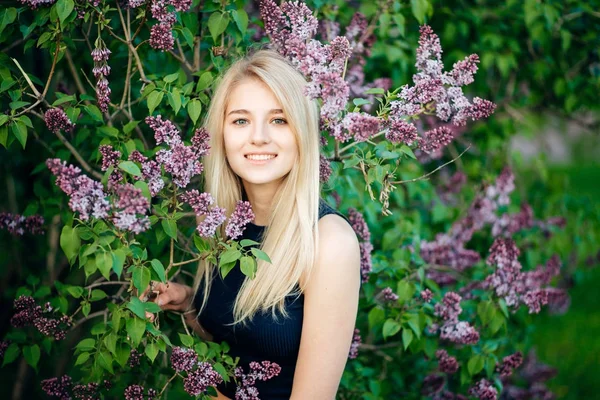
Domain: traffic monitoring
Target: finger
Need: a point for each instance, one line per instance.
(150, 316)
(146, 293)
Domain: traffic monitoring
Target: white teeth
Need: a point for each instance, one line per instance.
(260, 157)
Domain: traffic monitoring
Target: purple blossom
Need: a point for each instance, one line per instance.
(426, 295)
(18, 224)
(388, 295)
(361, 126)
(208, 227)
(58, 387)
(366, 265)
(130, 202)
(37, 3)
(200, 142)
(460, 332)
(509, 364)
(484, 390)
(356, 341)
(3, 346)
(164, 131)
(181, 5)
(199, 380)
(359, 224)
(262, 371)
(110, 157)
(86, 392)
(56, 120)
(447, 363)
(101, 70)
(135, 3)
(103, 94)
(239, 219)
(134, 392)
(400, 131)
(161, 36)
(28, 313)
(324, 169)
(462, 71)
(432, 384)
(51, 327)
(200, 202)
(436, 139)
(181, 162)
(449, 309)
(183, 359)
(134, 358)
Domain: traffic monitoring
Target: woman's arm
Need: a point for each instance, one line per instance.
(330, 308)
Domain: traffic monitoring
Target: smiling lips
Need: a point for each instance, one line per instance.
(260, 157)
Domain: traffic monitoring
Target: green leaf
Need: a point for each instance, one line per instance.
(159, 268)
(63, 100)
(229, 256)
(94, 112)
(408, 151)
(390, 328)
(154, 100)
(118, 260)
(151, 351)
(475, 364)
(194, 108)
(217, 23)
(141, 278)
(3, 135)
(116, 320)
(241, 20)
(171, 77)
(20, 131)
(205, 80)
(188, 36)
(412, 320)
(360, 102)
(97, 294)
(375, 317)
(86, 308)
(70, 243)
(374, 91)
(83, 357)
(75, 291)
(135, 330)
(152, 307)
(8, 17)
(130, 126)
(130, 168)
(405, 291)
(64, 9)
(174, 97)
(222, 371)
(187, 340)
(201, 244)
(407, 337)
(226, 268)
(110, 341)
(105, 361)
(86, 344)
(104, 263)
(248, 242)
(11, 354)
(420, 9)
(32, 354)
(170, 227)
(258, 253)
(247, 265)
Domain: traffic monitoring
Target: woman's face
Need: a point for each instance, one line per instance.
(259, 143)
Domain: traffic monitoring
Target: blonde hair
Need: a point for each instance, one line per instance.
(290, 238)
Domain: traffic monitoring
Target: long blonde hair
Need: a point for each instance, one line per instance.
(290, 238)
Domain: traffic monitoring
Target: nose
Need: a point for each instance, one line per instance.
(260, 134)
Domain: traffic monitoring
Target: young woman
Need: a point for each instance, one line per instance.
(300, 310)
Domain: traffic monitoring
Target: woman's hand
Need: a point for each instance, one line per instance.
(169, 296)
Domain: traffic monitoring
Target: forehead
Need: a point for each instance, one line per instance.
(252, 95)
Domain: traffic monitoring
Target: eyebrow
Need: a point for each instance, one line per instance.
(246, 112)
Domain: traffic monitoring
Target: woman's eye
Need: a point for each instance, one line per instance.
(240, 121)
(279, 121)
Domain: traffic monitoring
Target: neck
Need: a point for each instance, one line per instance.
(261, 197)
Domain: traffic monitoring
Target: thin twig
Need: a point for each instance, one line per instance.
(90, 316)
(78, 157)
(432, 172)
(167, 384)
(97, 284)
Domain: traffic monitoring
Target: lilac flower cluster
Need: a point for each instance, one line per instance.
(151, 172)
(161, 35)
(179, 160)
(388, 295)
(56, 120)
(356, 341)
(400, 131)
(3, 346)
(213, 217)
(19, 225)
(110, 158)
(509, 364)
(28, 313)
(130, 209)
(86, 392)
(101, 70)
(426, 295)
(452, 329)
(58, 387)
(447, 363)
(324, 169)
(366, 248)
(198, 380)
(534, 375)
(87, 196)
(37, 3)
(517, 287)
(262, 371)
(136, 392)
(484, 390)
(134, 358)
(183, 359)
(241, 216)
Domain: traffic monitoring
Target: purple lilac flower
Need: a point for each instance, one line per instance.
(134, 358)
(400, 131)
(200, 142)
(161, 37)
(436, 139)
(366, 265)
(452, 329)
(58, 387)
(135, 3)
(484, 390)
(361, 126)
(131, 202)
(324, 169)
(28, 313)
(508, 224)
(56, 120)
(359, 224)
(134, 392)
(101, 70)
(199, 380)
(462, 71)
(164, 131)
(208, 227)
(426, 295)
(183, 359)
(328, 29)
(263, 371)
(86, 392)
(110, 157)
(388, 295)
(18, 224)
(51, 327)
(447, 363)
(181, 5)
(151, 172)
(239, 219)
(200, 202)
(509, 364)
(181, 162)
(103, 94)
(356, 341)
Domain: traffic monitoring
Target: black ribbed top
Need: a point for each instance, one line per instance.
(264, 338)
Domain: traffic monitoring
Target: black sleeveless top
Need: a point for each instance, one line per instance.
(264, 338)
